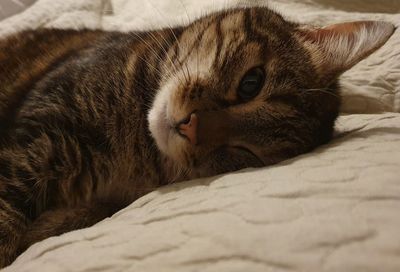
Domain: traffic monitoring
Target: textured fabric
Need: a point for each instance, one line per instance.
(11, 7)
(335, 209)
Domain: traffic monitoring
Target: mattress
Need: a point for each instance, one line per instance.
(334, 209)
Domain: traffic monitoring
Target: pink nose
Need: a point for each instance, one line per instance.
(189, 129)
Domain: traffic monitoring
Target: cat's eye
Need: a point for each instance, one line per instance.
(251, 84)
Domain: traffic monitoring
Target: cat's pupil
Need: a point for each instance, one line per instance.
(251, 84)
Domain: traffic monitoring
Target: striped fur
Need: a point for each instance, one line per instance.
(87, 117)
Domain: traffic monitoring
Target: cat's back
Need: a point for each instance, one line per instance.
(30, 53)
(25, 58)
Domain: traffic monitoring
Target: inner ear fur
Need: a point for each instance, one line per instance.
(336, 48)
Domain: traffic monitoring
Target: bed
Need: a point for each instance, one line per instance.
(335, 209)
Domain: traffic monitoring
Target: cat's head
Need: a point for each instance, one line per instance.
(246, 88)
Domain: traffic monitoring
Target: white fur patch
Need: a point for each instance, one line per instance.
(161, 121)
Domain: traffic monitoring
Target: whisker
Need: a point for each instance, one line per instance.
(155, 54)
(166, 21)
(186, 11)
(164, 50)
(198, 37)
(159, 72)
(322, 90)
(178, 44)
(188, 71)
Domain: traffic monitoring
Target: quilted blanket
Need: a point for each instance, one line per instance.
(335, 209)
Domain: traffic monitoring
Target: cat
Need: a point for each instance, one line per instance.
(91, 120)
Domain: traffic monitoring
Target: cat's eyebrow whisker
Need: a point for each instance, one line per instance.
(188, 71)
(186, 79)
(142, 86)
(186, 11)
(164, 50)
(168, 24)
(196, 29)
(160, 73)
(155, 54)
(186, 76)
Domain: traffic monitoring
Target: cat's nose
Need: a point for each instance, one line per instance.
(188, 128)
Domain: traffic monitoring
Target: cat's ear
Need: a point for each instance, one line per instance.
(336, 48)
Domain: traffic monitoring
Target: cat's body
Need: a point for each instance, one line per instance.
(92, 120)
(65, 139)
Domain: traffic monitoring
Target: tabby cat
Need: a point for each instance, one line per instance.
(92, 120)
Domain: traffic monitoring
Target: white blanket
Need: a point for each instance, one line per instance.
(335, 209)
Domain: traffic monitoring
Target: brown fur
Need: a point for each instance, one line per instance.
(75, 144)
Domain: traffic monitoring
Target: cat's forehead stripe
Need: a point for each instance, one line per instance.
(211, 45)
(233, 37)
